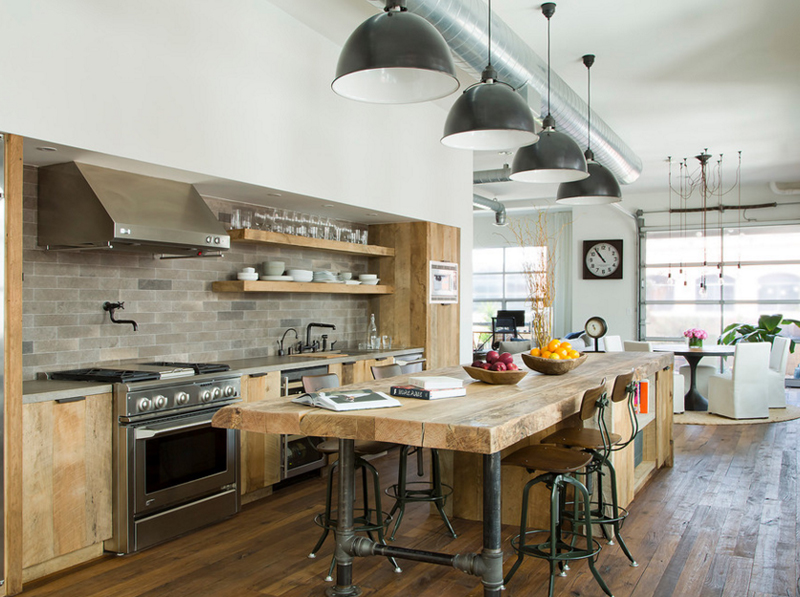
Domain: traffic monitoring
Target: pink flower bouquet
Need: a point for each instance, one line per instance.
(695, 337)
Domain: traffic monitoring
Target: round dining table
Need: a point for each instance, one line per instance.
(694, 400)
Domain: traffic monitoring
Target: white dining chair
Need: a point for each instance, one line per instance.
(678, 384)
(742, 393)
(612, 343)
(776, 374)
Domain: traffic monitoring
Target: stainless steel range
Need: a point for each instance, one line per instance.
(173, 471)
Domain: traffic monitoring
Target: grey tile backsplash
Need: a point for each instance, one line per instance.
(179, 317)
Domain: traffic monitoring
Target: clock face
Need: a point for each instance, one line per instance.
(596, 327)
(602, 259)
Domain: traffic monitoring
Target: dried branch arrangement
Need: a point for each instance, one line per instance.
(539, 268)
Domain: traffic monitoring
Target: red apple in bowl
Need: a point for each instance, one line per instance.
(492, 356)
(506, 358)
(498, 366)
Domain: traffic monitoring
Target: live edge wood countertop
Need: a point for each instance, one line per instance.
(488, 419)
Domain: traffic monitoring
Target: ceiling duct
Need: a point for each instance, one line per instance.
(489, 176)
(785, 188)
(493, 204)
(464, 23)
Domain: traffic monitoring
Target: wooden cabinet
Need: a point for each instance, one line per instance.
(67, 476)
(359, 371)
(260, 452)
(261, 237)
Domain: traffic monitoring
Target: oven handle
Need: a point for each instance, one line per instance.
(145, 433)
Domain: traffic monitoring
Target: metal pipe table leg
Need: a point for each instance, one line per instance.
(492, 553)
(344, 525)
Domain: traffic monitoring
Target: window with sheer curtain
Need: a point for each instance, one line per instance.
(748, 272)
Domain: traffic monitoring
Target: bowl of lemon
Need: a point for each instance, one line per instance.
(557, 358)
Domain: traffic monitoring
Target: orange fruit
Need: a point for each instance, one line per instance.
(553, 346)
(535, 352)
(555, 356)
(574, 354)
(545, 354)
(566, 345)
(563, 352)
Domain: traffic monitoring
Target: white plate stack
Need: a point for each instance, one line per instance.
(324, 276)
(370, 279)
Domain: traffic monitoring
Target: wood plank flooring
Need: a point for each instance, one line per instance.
(722, 522)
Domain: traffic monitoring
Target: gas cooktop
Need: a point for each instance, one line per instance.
(136, 372)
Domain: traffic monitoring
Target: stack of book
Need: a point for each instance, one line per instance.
(430, 388)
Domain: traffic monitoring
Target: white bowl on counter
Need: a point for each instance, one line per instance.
(301, 275)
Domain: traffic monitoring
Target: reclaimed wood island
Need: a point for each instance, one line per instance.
(479, 429)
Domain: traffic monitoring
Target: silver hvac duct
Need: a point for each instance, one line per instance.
(498, 208)
(488, 176)
(464, 23)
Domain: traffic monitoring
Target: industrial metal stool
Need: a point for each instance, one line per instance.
(372, 519)
(559, 546)
(599, 444)
(407, 492)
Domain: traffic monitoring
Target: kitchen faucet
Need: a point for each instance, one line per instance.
(309, 345)
(282, 352)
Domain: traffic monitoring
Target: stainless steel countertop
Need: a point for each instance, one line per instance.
(44, 390)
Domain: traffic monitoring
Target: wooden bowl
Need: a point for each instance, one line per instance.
(495, 377)
(551, 366)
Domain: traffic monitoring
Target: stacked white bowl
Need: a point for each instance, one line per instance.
(301, 275)
(368, 279)
(247, 273)
(324, 276)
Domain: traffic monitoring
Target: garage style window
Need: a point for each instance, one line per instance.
(748, 272)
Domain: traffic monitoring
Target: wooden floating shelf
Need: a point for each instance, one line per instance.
(318, 287)
(248, 235)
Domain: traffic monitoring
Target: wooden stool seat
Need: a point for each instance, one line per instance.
(363, 447)
(552, 459)
(580, 437)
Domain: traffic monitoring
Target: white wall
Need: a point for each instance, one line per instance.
(613, 300)
(237, 90)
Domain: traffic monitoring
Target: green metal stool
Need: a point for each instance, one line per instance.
(407, 492)
(600, 444)
(371, 519)
(556, 545)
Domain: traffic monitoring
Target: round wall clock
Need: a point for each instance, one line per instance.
(602, 259)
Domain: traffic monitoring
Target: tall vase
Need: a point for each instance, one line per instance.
(695, 343)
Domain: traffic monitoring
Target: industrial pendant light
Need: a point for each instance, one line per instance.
(601, 186)
(490, 115)
(395, 57)
(555, 157)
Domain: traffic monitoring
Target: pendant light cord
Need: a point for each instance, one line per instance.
(548, 66)
(490, 32)
(589, 108)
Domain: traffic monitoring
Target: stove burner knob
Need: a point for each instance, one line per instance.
(230, 391)
(160, 401)
(182, 398)
(217, 393)
(205, 396)
(144, 405)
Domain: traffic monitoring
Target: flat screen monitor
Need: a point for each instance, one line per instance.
(517, 316)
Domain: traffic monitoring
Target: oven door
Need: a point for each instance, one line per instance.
(179, 459)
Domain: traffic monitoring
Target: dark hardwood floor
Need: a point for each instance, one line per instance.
(722, 522)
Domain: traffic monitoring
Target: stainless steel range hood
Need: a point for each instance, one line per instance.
(89, 207)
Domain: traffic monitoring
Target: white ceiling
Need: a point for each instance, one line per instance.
(671, 79)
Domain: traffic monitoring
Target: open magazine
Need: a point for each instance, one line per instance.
(347, 400)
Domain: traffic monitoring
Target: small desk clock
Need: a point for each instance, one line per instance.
(596, 327)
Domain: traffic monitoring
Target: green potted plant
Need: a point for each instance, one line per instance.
(765, 331)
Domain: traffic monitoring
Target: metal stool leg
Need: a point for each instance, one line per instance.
(617, 523)
(327, 514)
(379, 512)
(588, 526)
(400, 504)
(436, 474)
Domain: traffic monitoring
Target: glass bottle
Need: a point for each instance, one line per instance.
(373, 339)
